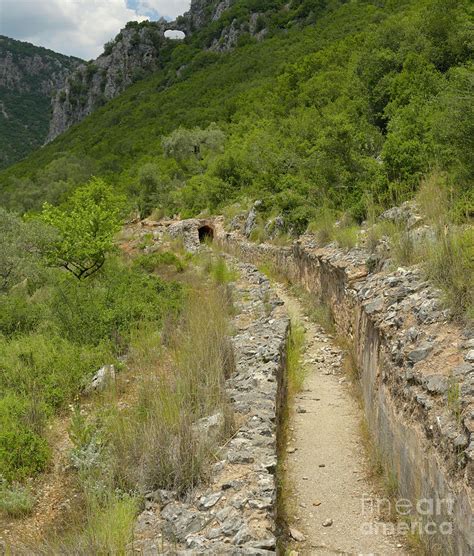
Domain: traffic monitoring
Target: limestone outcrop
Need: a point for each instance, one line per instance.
(135, 53)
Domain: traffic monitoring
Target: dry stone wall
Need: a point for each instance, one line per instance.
(416, 375)
(235, 513)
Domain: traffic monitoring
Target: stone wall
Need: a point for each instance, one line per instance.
(236, 512)
(416, 375)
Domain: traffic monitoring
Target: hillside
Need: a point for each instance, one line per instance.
(28, 76)
(361, 103)
(237, 293)
(141, 49)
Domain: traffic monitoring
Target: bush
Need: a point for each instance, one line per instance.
(15, 500)
(22, 451)
(48, 368)
(18, 314)
(109, 306)
(153, 261)
(450, 264)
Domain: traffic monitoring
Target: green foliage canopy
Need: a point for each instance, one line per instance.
(86, 227)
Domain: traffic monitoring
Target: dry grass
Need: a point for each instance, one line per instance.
(286, 499)
(142, 433)
(154, 445)
(433, 199)
(450, 265)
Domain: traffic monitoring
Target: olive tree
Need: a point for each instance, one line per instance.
(184, 143)
(21, 247)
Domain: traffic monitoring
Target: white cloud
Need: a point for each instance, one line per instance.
(74, 27)
(166, 8)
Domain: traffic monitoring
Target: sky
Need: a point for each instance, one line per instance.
(79, 27)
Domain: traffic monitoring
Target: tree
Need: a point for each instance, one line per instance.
(184, 143)
(21, 245)
(86, 228)
(149, 179)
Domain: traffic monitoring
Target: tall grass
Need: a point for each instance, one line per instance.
(450, 258)
(108, 529)
(345, 232)
(323, 226)
(220, 272)
(286, 499)
(155, 444)
(450, 265)
(295, 369)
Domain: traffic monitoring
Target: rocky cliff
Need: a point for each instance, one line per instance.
(134, 53)
(28, 76)
(141, 49)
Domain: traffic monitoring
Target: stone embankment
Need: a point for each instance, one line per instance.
(416, 375)
(235, 512)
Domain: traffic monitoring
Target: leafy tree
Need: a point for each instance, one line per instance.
(185, 143)
(86, 227)
(21, 245)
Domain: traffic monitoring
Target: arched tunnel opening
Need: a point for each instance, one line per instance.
(206, 233)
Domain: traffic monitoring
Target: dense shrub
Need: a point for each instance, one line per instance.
(23, 451)
(56, 331)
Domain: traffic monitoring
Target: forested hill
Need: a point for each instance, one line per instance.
(28, 76)
(344, 105)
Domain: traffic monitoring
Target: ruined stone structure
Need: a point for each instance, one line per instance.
(416, 374)
(235, 513)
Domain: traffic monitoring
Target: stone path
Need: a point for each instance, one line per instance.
(335, 502)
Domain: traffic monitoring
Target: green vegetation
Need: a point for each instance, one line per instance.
(219, 270)
(357, 107)
(86, 226)
(294, 353)
(169, 343)
(15, 500)
(56, 331)
(25, 106)
(121, 452)
(449, 255)
(155, 261)
(327, 124)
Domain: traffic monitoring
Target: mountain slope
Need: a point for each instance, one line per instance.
(134, 53)
(28, 76)
(359, 104)
(141, 49)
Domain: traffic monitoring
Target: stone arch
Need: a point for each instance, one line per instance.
(206, 233)
(175, 34)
